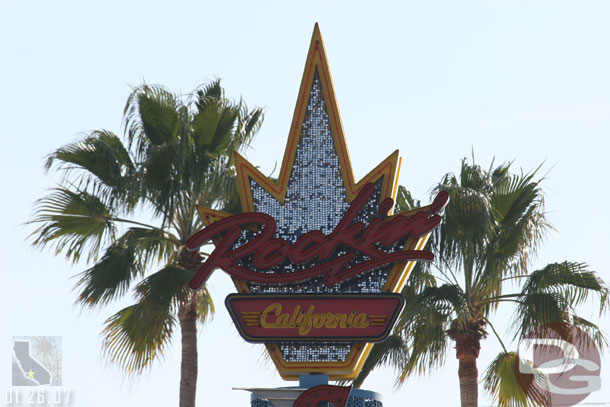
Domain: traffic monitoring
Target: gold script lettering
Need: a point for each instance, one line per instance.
(273, 318)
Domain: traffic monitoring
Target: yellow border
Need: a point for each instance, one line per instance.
(388, 169)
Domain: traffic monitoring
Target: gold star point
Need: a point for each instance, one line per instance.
(30, 374)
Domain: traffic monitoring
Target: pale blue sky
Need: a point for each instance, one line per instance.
(522, 80)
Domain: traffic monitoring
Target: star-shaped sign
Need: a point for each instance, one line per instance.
(314, 197)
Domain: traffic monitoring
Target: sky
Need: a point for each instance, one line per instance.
(522, 81)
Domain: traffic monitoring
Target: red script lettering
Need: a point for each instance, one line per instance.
(269, 252)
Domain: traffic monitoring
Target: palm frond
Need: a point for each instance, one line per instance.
(248, 124)
(514, 195)
(205, 305)
(165, 289)
(572, 280)
(136, 336)
(100, 163)
(211, 124)
(427, 342)
(446, 299)
(405, 201)
(152, 117)
(393, 351)
(110, 277)
(154, 120)
(420, 278)
(153, 245)
(509, 390)
(74, 222)
(538, 309)
(161, 179)
(208, 93)
(592, 331)
(125, 259)
(461, 237)
(473, 176)
(550, 295)
(226, 181)
(520, 225)
(423, 325)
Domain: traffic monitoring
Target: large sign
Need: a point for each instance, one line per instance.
(317, 257)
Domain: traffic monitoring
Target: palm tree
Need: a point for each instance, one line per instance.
(492, 226)
(177, 154)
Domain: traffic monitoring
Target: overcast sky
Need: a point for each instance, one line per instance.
(527, 81)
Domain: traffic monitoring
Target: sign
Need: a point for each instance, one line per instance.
(276, 317)
(317, 257)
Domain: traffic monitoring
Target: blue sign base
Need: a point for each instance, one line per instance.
(285, 396)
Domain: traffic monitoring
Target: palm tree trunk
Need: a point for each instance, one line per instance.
(188, 367)
(469, 383)
(467, 346)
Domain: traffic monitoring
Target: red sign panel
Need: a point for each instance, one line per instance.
(309, 317)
